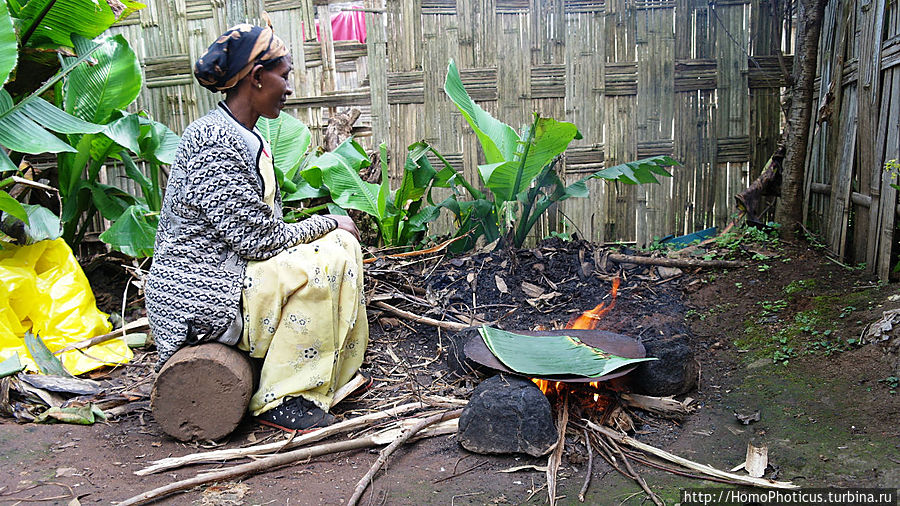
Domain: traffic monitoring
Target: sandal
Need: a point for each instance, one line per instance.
(296, 414)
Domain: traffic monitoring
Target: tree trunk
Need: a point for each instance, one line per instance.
(789, 211)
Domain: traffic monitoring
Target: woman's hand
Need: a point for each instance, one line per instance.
(345, 223)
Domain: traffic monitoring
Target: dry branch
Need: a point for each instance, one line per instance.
(276, 461)
(408, 254)
(673, 262)
(351, 386)
(382, 458)
(703, 468)
(135, 326)
(236, 453)
(556, 457)
(590, 467)
(666, 407)
(456, 327)
(637, 478)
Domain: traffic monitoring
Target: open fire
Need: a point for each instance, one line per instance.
(590, 396)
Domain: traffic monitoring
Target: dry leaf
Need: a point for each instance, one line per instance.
(65, 471)
(668, 272)
(501, 285)
(532, 290)
(747, 419)
(541, 469)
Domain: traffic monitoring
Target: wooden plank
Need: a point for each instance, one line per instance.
(843, 175)
(376, 46)
(890, 131)
(871, 20)
(829, 71)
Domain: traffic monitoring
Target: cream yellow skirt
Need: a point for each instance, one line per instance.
(304, 314)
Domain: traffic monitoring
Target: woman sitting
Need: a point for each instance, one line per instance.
(227, 267)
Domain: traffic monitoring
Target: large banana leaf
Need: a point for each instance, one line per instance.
(550, 139)
(9, 54)
(20, 133)
(85, 18)
(12, 206)
(638, 172)
(94, 92)
(552, 355)
(21, 124)
(134, 233)
(339, 171)
(41, 224)
(498, 139)
(157, 142)
(289, 138)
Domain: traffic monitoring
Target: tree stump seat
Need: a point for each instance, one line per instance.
(202, 392)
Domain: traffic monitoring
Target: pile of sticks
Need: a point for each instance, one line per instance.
(607, 438)
(391, 427)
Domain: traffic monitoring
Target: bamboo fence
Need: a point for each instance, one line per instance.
(695, 79)
(857, 129)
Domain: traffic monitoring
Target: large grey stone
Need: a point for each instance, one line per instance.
(675, 372)
(507, 414)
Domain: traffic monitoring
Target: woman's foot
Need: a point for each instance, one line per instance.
(296, 414)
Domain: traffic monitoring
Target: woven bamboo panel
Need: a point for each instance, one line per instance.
(686, 78)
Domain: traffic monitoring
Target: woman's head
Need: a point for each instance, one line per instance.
(249, 61)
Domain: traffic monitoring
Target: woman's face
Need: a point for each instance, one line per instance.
(276, 86)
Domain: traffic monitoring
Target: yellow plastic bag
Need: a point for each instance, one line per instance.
(45, 291)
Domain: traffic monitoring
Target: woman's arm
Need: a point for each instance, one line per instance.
(225, 190)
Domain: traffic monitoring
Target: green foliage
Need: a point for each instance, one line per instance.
(892, 382)
(24, 126)
(45, 30)
(43, 357)
(290, 139)
(552, 355)
(98, 93)
(892, 167)
(402, 215)
(91, 127)
(520, 173)
(8, 44)
(799, 285)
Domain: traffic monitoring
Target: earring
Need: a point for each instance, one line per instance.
(259, 85)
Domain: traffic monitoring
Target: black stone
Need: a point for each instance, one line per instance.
(675, 372)
(507, 414)
(459, 364)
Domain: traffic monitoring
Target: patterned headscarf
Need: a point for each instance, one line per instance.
(233, 55)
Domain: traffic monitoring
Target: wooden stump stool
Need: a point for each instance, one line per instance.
(202, 392)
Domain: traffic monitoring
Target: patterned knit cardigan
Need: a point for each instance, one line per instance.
(213, 221)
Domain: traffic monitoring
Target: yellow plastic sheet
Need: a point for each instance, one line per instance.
(45, 291)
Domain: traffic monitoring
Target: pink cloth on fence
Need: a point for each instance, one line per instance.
(346, 25)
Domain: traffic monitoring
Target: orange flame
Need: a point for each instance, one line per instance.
(587, 320)
(590, 319)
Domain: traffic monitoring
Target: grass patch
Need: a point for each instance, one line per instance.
(808, 332)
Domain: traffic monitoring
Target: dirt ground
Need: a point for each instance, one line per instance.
(777, 336)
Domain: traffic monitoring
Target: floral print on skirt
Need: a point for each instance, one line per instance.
(304, 314)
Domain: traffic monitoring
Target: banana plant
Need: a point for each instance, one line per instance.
(290, 140)
(402, 215)
(99, 94)
(520, 172)
(45, 29)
